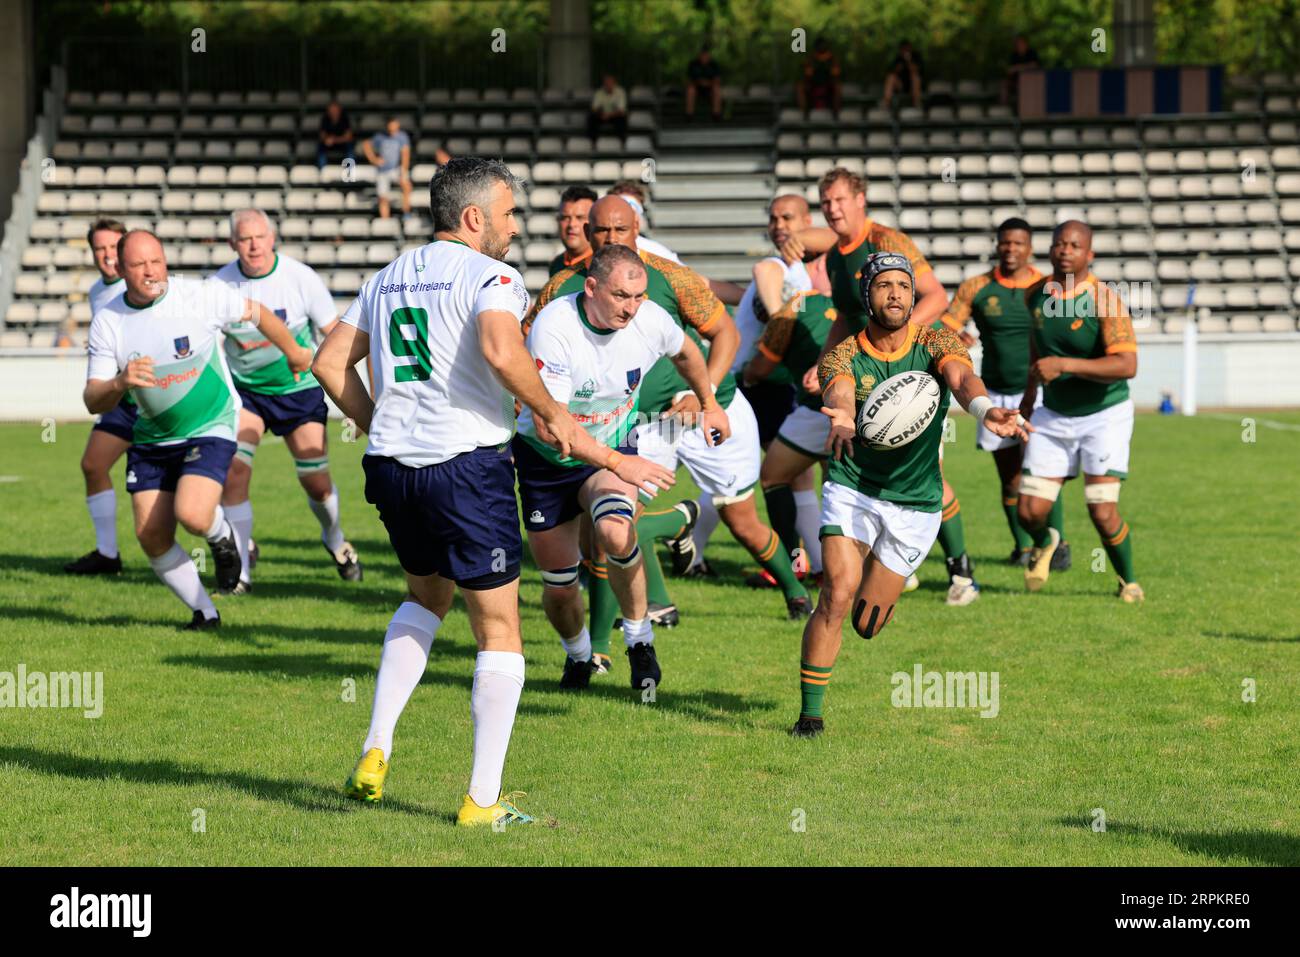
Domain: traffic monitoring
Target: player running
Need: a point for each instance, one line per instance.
(851, 238)
(1083, 352)
(571, 219)
(995, 301)
(161, 340)
(726, 472)
(274, 399)
(111, 435)
(440, 325)
(881, 509)
(593, 349)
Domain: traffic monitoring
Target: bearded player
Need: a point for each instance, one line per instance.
(880, 509)
(995, 302)
(1082, 354)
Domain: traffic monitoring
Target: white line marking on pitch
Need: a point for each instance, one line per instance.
(9, 479)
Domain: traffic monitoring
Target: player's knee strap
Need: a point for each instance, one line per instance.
(244, 451)
(1101, 492)
(560, 577)
(628, 560)
(311, 466)
(613, 506)
(1039, 487)
(721, 500)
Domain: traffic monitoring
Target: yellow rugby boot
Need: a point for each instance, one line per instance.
(1130, 592)
(367, 781)
(498, 816)
(1040, 562)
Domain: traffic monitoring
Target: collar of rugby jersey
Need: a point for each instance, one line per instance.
(865, 344)
(274, 263)
(582, 314)
(857, 240)
(1089, 281)
(1009, 283)
(151, 303)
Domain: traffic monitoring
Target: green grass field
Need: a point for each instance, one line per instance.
(1134, 710)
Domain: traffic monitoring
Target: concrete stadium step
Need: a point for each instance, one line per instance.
(716, 164)
(669, 215)
(754, 187)
(714, 137)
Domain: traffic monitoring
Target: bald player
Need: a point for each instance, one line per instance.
(1082, 353)
(161, 341)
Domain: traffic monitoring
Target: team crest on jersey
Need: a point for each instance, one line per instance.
(587, 391)
(182, 345)
(993, 307)
(633, 380)
(867, 383)
(1076, 325)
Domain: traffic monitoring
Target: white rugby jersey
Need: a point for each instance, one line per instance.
(297, 294)
(597, 372)
(751, 330)
(102, 293)
(181, 331)
(435, 395)
(656, 248)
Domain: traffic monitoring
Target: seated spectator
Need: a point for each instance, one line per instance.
(335, 135)
(905, 74)
(1023, 57)
(704, 79)
(608, 109)
(820, 87)
(391, 152)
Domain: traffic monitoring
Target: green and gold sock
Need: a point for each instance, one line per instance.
(951, 537)
(666, 523)
(776, 560)
(783, 513)
(604, 607)
(1011, 508)
(813, 680)
(1056, 518)
(656, 590)
(1119, 547)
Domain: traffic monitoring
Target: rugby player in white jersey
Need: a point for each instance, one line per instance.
(274, 399)
(161, 340)
(441, 327)
(593, 349)
(111, 435)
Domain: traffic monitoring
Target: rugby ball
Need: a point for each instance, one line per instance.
(898, 410)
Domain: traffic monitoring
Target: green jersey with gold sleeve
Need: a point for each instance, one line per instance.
(193, 395)
(997, 306)
(294, 292)
(844, 267)
(685, 296)
(793, 339)
(1086, 321)
(908, 475)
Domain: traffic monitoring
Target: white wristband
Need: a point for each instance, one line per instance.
(979, 407)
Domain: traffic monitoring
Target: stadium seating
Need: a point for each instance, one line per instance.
(1201, 209)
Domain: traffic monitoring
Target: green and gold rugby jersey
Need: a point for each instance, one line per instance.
(1087, 322)
(686, 297)
(997, 305)
(181, 331)
(793, 340)
(562, 261)
(844, 267)
(908, 475)
(294, 292)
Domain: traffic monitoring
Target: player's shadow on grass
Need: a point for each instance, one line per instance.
(1259, 847)
(1249, 636)
(299, 794)
(700, 705)
(307, 552)
(319, 666)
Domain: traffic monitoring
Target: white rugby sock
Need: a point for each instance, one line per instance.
(498, 682)
(220, 527)
(638, 632)
(407, 642)
(704, 526)
(241, 520)
(808, 523)
(103, 515)
(179, 574)
(327, 513)
(578, 648)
